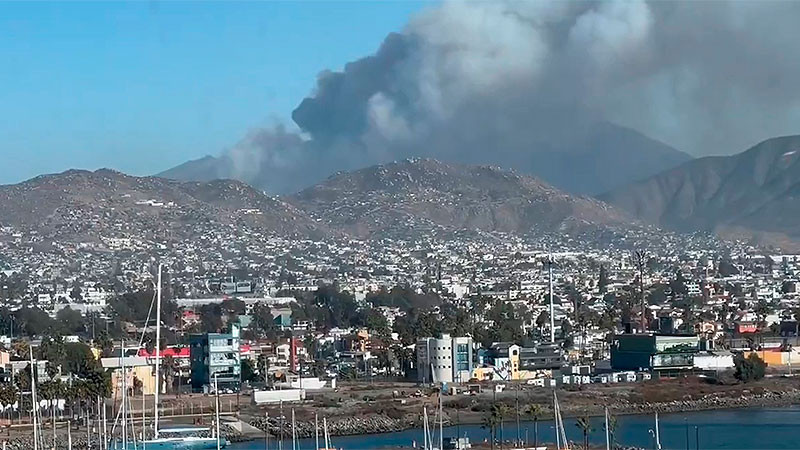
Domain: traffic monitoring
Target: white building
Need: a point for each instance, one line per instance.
(444, 360)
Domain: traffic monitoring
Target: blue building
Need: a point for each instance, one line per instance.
(216, 353)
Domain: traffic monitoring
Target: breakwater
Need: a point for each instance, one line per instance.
(337, 426)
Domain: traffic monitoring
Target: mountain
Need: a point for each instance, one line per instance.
(419, 195)
(207, 168)
(573, 154)
(84, 205)
(757, 190)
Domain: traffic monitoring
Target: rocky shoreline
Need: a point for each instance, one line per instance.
(709, 402)
(375, 424)
(337, 426)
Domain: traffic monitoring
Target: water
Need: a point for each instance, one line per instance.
(754, 428)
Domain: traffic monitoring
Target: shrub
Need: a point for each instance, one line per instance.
(749, 369)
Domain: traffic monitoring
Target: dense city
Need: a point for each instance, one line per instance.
(301, 322)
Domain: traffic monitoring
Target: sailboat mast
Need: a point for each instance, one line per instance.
(216, 397)
(441, 421)
(608, 437)
(327, 436)
(158, 352)
(555, 421)
(124, 399)
(34, 402)
(425, 427)
(105, 427)
(658, 438)
(316, 431)
(563, 431)
(294, 432)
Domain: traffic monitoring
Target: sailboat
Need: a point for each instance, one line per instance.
(177, 442)
(561, 434)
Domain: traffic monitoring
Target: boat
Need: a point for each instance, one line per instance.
(180, 441)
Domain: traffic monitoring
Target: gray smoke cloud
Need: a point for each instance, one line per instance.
(506, 82)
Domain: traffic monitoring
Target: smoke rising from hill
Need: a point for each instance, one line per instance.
(505, 82)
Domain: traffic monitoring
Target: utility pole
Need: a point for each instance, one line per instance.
(640, 257)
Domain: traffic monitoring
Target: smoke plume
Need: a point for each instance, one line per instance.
(519, 83)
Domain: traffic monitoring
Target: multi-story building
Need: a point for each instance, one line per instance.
(215, 354)
(651, 351)
(540, 357)
(444, 360)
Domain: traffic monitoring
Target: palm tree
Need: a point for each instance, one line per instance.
(503, 411)
(490, 422)
(612, 428)
(535, 411)
(168, 370)
(586, 427)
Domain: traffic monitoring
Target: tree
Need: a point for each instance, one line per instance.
(586, 427)
(210, 318)
(71, 321)
(535, 412)
(263, 320)
(612, 429)
(375, 321)
(8, 394)
(602, 283)
(76, 294)
(749, 369)
(678, 284)
(504, 411)
(21, 349)
(490, 421)
(248, 371)
(169, 368)
(104, 343)
(234, 306)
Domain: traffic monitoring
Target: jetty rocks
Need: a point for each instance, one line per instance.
(337, 426)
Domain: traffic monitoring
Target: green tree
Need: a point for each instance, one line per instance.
(602, 283)
(104, 343)
(168, 370)
(70, 321)
(263, 320)
(211, 318)
(749, 369)
(248, 371)
(490, 422)
(678, 284)
(535, 412)
(375, 321)
(8, 394)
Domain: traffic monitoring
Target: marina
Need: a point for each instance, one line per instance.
(736, 429)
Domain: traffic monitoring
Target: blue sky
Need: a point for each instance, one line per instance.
(141, 87)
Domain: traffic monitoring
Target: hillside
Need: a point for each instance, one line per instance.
(757, 190)
(86, 205)
(575, 155)
(424, 194)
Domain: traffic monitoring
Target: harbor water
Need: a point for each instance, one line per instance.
(754, 428)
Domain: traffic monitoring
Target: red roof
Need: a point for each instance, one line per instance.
(182, 352)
